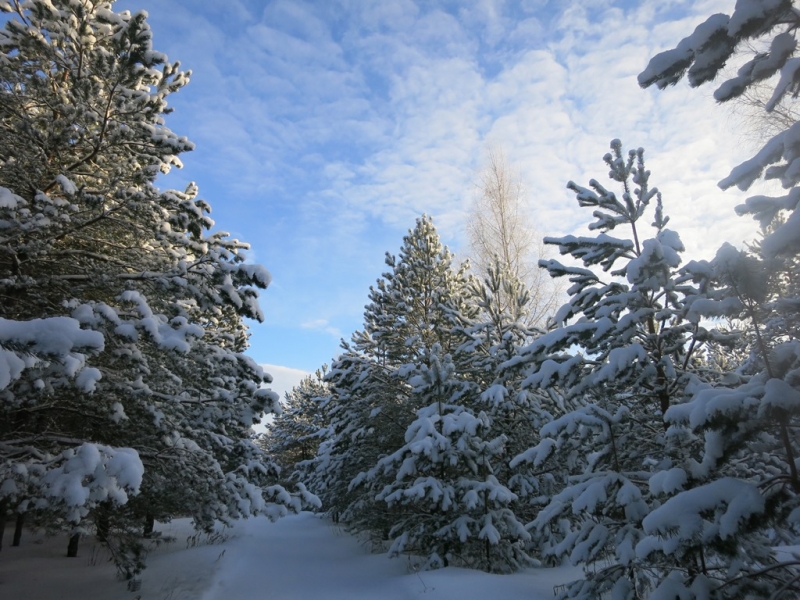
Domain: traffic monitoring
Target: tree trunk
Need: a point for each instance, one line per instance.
(3, 509)
(103, 518)
(18, 529)
(149, 524)
(72, 547)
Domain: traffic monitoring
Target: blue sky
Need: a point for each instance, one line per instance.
(323, 129)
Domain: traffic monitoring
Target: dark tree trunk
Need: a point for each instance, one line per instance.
(3, 509)
(103, 524)
(149, 524)
(72, 547)
(18, 529)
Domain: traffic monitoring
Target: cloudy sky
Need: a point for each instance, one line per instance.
(324, 128)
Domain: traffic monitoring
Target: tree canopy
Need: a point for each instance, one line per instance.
(121, 365)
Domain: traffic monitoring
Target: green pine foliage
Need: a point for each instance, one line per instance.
(747, 495)
(493, 339)
(371, 403)
(124, 393)
(421, 419)
(293, 437)
(625, 352)
(450, 505)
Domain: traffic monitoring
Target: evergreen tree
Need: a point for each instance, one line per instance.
(405, 317)
(493, 339)
(372, 404)
(625, 353)
(293, 438)
(422, 412)
(120, 354)
(362, 416)
(746, 497)
(451, 504)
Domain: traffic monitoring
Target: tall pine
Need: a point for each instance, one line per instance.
(372, 403)
(626, 351)
(121, 365)
(747, 495)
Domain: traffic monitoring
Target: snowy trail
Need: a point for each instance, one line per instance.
(301, 557)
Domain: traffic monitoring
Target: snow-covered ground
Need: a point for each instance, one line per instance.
(299, 557)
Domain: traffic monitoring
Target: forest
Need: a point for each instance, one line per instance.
(646, 428)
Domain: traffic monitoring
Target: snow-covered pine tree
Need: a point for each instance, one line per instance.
(294, 435)
(371, 407)
(452, 506)
(745, 498)
(363, 415)
(405, 317)
(625, 354)
(449, 505)
(122, 331)
(493, 337)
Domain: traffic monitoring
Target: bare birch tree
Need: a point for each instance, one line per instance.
(500, 227)
(753, 121)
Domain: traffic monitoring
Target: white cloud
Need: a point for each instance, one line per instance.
(553, 109)
(284, 379)
(326, 129)
(322, 325)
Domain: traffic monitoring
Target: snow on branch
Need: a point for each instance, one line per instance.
(702, 54)
(24, 343)
(721, 505)
(89, 474)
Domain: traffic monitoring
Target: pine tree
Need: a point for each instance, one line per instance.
(625, 353)
(364, 414)
(413, 452)
(122, 316)
(293, 438)
(450, 504)
(746, 497)
(371, 404)
(405, 316)
(494, 337)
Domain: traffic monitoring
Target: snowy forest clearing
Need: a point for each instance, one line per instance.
(297, 557)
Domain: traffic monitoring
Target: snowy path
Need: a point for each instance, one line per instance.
(297, 558)
(302, 557)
